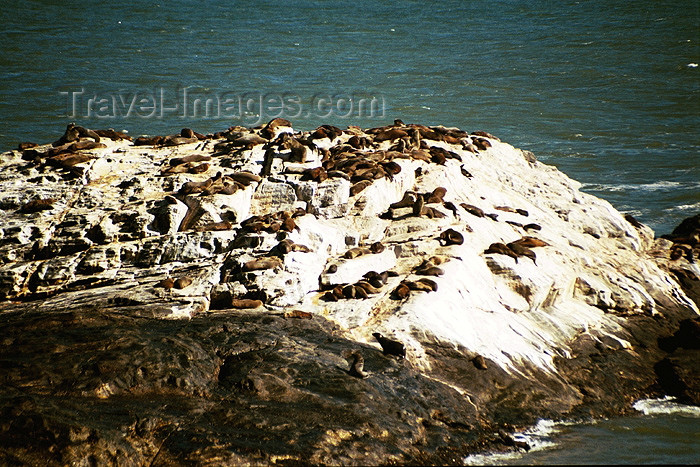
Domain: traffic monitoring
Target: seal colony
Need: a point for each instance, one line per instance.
(427, 252)
(262, 198)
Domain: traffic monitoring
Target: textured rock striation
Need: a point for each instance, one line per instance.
(233, 298)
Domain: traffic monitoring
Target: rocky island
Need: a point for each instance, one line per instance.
(396, 295)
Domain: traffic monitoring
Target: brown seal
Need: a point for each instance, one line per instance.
(479, 362)
(401, 291)
(188, 188)
(390, 346)
(268, 130)
(428, 282)
(436, 196)
(390, 134)
(422, 286)
(377, 247)
(451, 237)
(182, 282)
(357, 365)
(189, 158)
(355, 252)
(501, 249)
(359, 186)
(245, 178)
(430, 271)
(521, 250)
(245, 303)
(299, 314)
(530, 242)
(74, 133)
(258, 264)
(473, 210)
(367, 287)
(360, 292)
(481, 143)
(409, 198)
(418, 206)
(167, 283)
(113, 135)
(629, 218)
(485, 135)
(37, 205)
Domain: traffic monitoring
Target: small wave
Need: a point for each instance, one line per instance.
(496, 458)
(688, 207)
(662, 185)
(667, 405)
(538, 437)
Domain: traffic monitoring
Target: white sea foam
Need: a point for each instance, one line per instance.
(661, 185)
(538, 437)
(688, 207)
(496, 458)
(667, 405)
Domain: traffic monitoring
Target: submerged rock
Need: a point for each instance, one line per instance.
(151, 295)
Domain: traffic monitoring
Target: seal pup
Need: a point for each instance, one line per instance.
(390, 346)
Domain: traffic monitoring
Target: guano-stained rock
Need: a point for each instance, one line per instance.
(130, 296)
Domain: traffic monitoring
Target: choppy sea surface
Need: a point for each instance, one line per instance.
(607, 91)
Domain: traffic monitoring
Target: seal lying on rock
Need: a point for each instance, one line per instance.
(259, 264)
(74, 133)
(37, 205)
(451, 237)
(501, 249)
(521, 250)
(390, 346)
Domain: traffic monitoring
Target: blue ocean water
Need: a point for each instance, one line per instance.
(607, 91)
(664, 432)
